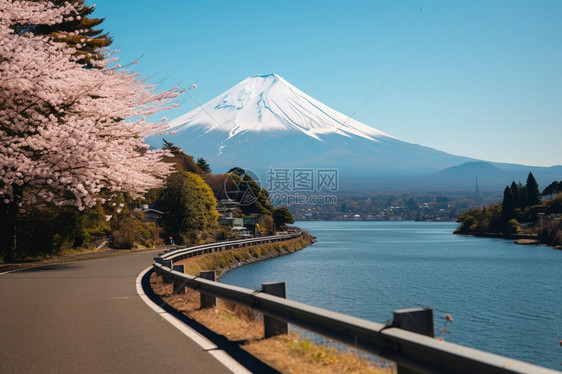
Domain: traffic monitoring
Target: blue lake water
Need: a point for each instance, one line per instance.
(504, 298)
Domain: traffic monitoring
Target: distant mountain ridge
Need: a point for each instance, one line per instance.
(492, 176)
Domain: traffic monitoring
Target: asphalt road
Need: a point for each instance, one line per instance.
(86, 317)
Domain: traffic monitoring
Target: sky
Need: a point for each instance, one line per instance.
(481, 79)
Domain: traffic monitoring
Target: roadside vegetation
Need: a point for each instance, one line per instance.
(188, 202)
(75, 171)
(287, 353)
(524, 211)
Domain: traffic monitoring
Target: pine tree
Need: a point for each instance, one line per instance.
(508, 205)
(515, 190)
(523, 198)
(182, 160)
(78, 32)
(533, 192)
(552, 188)
(241, 187)
(203, 165)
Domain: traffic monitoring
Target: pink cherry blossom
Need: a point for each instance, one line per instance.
(66, 132)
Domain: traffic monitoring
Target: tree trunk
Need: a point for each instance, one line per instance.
(8, 231)
(9, 219)
(13, 224)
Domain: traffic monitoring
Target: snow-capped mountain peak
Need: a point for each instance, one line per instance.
(270, 103)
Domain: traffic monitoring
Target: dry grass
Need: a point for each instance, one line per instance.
(288, 353)
(292, 354)
(237, 324)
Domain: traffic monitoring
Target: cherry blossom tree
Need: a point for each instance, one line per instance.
(67, 132)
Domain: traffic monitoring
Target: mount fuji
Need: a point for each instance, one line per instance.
(265, 122)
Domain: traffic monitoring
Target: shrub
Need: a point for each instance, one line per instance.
(468, 225)
(124, 238)
(512, 227)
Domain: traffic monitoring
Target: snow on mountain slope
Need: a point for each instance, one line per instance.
(270, 103)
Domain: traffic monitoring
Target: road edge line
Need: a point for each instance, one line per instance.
(219, 354)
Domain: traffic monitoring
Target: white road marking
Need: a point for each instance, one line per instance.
(203, 342)
(21, 269)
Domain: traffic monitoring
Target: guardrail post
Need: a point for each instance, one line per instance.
(273, 326)
(168, 264)
(158, 260)
(179, 285)
(206, 300)
(418, 320)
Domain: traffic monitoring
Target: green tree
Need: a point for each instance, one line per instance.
(533, 192)
(508, 205)
(240, 186)
(182, 160)
(47, 229)
(552, 189)
(516, 191)
(188, 205)
(282, 216)
(468, 225)
(481, 220)
(523, 197)
(554, 205)
(493, 217)
(203, 165)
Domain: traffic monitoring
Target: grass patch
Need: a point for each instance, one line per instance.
(293, 354)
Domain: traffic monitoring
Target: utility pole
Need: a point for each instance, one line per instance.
(478, 200)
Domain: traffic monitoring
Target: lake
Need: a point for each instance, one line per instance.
(504, 298)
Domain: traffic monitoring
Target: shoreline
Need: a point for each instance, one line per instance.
(267, 256)
(524, 239)
(246, 255)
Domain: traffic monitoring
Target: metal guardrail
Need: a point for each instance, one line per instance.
(413, 353)
(180, 253)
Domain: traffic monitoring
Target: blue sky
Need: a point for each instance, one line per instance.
(476, 78)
